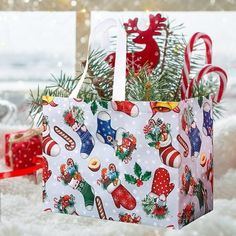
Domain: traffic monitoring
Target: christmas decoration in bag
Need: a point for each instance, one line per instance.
(135, 161)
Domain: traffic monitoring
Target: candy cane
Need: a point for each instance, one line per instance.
(187, 58)
(71, 144)
(100, 208)
(184, 145)
(205, 71)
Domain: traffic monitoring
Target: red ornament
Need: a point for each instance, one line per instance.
(159, 211)
(66, 201)
(150, 56)
(130, 218)
(139, 182)
(69, 119)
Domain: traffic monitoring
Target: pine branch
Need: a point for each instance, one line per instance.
(162, 84)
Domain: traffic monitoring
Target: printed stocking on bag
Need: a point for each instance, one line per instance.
(168, 154)
(86, 190)
(105, 133)
(207, 120)
(74, 118)
(195, 140)
(72, 177)
(190, 127)
(87, 141)
(126, 107)
(158, 135)
(50, 147)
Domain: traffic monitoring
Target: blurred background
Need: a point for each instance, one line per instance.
(34, 45)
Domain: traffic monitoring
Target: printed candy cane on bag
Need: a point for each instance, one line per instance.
(187, 58)
(205, 71)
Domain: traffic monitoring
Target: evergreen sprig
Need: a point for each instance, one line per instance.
(162, 84)
(139, 176)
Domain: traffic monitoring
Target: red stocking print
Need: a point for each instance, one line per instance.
(122, 197)
(161, 183)
(126, 107)
(50, 147)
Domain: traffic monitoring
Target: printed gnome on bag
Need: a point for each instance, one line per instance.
(111, 182)
(155, 203)
(75, 119)
(192, 131)
(72, 177)
(158, 133)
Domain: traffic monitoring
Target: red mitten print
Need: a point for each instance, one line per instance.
(161, 182)
(122, 197)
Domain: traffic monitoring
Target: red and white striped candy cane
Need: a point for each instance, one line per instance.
(187, 58)
(205, 71)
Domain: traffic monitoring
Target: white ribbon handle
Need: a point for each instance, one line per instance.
(120, 60)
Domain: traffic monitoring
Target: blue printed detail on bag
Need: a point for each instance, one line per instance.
(87, 141)
(207, 120)
(75, 119)
(190, 127)
(105, 133)
(122, 141)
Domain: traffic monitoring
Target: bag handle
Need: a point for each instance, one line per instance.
(120, 60)
(208, 69)
(187, 58)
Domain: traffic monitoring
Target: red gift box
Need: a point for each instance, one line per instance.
(20, 154)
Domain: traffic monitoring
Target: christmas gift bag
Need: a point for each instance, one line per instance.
(144, 162)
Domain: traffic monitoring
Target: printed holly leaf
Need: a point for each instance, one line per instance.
(121, 155)
(86, 100)
(146, 176)
(103, 104)
(130, 179)
(199, 193)
(151, 136)
(152, 144)
(94, 107)
(137, 170)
